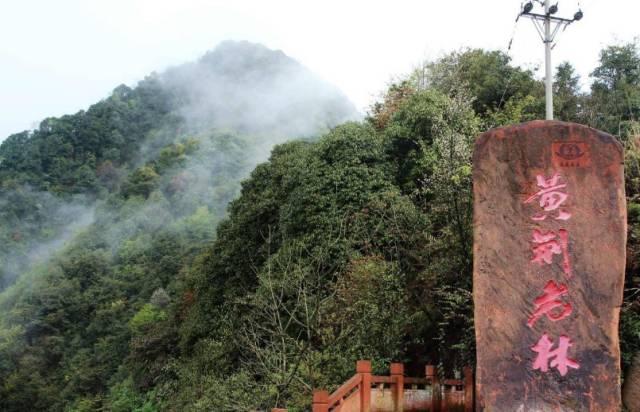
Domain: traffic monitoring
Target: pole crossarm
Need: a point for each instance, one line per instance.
(537, 18)
(556, 28)
(543, 23)
(542, 17)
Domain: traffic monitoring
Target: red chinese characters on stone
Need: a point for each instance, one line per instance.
(558, 357)
(547, 244)
(547, 304)
(550, 197)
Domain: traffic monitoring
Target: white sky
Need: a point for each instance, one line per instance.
(60, 56)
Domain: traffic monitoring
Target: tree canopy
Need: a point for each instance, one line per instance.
(183, 289)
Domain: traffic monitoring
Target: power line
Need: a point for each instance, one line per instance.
(508, 54)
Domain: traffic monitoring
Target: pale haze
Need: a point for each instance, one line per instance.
(58, 57)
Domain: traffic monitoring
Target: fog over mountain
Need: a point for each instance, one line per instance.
(220, 237)
(105, 208)
(252, 89)
(257, 96)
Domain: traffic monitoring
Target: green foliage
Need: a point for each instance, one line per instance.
(630, 330)
(123, 397)
(328, 256)
(485, 75)
(566, 93)
(614, 103)
(103, 213)
(370, 312)
(146, 317)
(141, 182)
(61, 155)
(630, 312)
(354, 245)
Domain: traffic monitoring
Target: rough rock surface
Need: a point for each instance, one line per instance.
(549, 256)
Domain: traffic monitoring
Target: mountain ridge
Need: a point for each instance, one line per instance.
(85, 156)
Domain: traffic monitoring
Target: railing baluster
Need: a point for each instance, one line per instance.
(432, 374)
(320, 401)
(397, 374)
(468, 389)
(363, 367)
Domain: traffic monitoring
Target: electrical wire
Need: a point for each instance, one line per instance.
(508, 53)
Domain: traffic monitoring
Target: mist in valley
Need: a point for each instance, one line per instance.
(225, 113)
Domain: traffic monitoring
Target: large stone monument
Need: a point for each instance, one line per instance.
(549, 258)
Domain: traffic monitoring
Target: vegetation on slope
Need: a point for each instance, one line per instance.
(354, 245)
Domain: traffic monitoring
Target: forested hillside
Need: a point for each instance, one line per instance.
(353, 245)
(104, 207)
(55, 173)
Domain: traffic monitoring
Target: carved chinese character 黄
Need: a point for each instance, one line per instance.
(551, 197)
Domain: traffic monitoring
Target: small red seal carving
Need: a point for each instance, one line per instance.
(570, 154)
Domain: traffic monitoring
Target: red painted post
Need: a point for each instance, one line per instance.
(397, 374)
(431, 373)
(278, 410)
(320, 401)
(468, 389)
(363, 367)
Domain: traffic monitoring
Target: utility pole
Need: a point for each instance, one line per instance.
(542, 23)
(548, 81)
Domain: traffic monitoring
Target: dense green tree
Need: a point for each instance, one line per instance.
(103, 213)
(615, 92)
(353, 245)
(276, 289)
(488, 76)
(566, 93)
